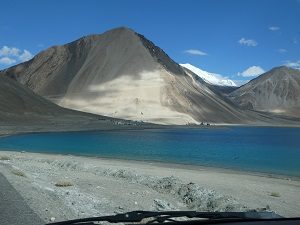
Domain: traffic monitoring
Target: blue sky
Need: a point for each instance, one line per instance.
(221, 36)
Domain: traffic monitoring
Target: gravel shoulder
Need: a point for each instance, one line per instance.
(60, 187)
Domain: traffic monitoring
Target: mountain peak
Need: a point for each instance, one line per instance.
(120, 30)
(284, 68)
(276, 91)
(122, 74)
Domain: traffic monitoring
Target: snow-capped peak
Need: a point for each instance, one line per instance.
(211, 78)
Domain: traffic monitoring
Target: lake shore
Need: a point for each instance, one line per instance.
(105, 186)
(8, 129)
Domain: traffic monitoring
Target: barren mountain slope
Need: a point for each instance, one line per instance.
(19, 101)
(122, 74)
(276, 91)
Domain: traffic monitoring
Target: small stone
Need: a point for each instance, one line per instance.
(52, 219)
(135, 203)
(162, 205)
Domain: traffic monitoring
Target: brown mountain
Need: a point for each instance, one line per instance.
(17, 101)
(276, 91)
(122, 74)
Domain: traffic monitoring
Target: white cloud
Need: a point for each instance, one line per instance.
(25, 56)
(295, 64)
(11, 55)
(247, 42)
(7, 51)
(252, 71)
(282, 50)
(195, 52)
(7, 61)
(274, 28)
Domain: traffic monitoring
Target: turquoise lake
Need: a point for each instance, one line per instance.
(260, 149)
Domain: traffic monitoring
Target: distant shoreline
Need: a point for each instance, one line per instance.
(9, 130)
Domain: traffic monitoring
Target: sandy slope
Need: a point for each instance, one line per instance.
(21, 111)
(105, 186)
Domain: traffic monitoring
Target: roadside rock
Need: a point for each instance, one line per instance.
(162, 205)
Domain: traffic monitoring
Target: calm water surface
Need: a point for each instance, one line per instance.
(270, 150)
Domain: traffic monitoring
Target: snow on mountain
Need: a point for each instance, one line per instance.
(211, 78)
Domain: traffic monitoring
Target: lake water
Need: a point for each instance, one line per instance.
(260, 149)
